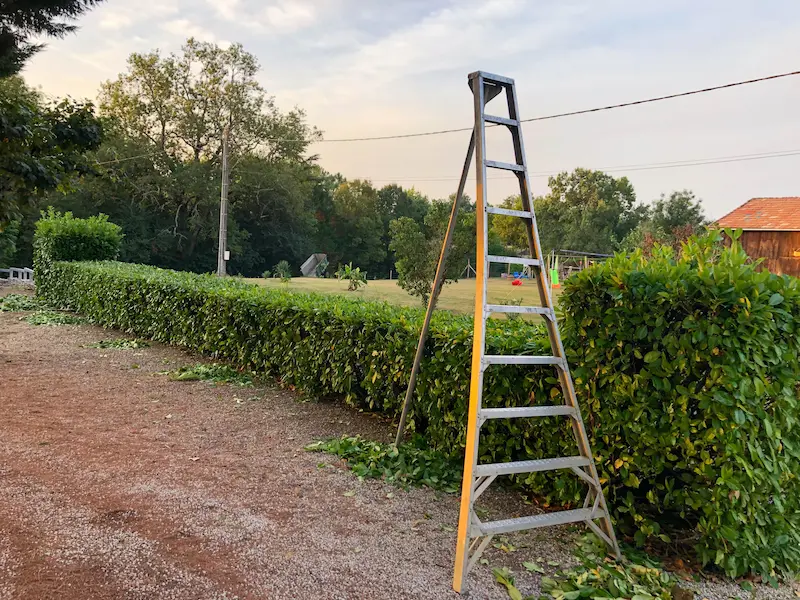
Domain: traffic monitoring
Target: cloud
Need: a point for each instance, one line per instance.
(289, 15)
(227, 9)
(119, 16)
(186, 29)
(279, 16)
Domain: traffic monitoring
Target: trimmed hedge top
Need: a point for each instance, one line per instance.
(63, 237)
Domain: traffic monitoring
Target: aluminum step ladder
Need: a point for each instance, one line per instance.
(475, 535)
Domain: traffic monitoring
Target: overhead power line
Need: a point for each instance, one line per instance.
(530, 120)
(612, 169)
(560, 115)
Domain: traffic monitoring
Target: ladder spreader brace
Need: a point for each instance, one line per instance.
(473, 534)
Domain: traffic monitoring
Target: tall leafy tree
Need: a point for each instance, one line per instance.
(678, 210)
(21, 20)
(356, 227)
(182, 102)
(588, 211)
(43, 146)
(671, 221)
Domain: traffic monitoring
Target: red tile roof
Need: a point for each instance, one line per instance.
(768, 214)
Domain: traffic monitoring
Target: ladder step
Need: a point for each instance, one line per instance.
(531, 466)
(513, 359)
(545, 520)
(501, 120)
(519, 412)
(495, 164)
(496, 210)
(493, 78)
(509, 308)
(514, 260)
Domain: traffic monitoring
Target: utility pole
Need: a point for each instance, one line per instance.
(223, 209)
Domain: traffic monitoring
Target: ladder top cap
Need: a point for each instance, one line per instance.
(491, 77)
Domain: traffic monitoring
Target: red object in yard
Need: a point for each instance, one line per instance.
(516, 282)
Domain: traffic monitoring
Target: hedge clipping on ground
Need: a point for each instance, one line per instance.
(686, 368)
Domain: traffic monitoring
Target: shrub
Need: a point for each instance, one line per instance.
(282, 270)
(354, 276)
(691, 365)
(63, 237)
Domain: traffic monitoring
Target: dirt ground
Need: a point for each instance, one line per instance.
(118, 483)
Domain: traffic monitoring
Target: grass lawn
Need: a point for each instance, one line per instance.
(458, 297)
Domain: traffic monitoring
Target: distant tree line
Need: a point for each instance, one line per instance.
(150, 158)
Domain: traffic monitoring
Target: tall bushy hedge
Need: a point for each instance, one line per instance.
(691, 367)
(63, 237)
(685, 367)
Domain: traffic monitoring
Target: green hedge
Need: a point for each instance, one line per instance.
(63, 237)
(690, 365)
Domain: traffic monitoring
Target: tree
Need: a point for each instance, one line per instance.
(182, 102)
(588, 211)
(510, 230)
(355, 227)
(670, 222)
(44, 145)
(417, 247)
(678, 210)
(414, 260)
(21, 20)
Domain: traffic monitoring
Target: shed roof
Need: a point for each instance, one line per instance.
(766, 214)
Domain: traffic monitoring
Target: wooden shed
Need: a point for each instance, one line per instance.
(770, 230)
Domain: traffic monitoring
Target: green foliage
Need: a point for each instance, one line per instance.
(417, 247)
(588, 211)
(52, 317)
(43, 147)
(9, 235)
(63, 237)
(408, 464)
(690, 365)
(355, 277)
(506, 578)
(414, 261)
(511, 230)
(282, 270)
(215, 373)
(18, 303)
(21, 21)
(120, 343)
(181, 102)
(267, 274)
(356, 227)
(601, 577)
(669, 222)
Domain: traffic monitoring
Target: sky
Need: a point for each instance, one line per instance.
(370, 68)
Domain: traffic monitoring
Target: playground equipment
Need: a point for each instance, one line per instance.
(315, 265)
(475, 535)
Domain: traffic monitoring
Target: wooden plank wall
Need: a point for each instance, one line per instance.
(780, 249)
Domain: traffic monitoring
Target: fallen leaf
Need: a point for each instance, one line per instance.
(533, 567)
(350, 493)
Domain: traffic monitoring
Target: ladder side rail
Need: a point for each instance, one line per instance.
(478, 341)
(438, 282)
(578, 425)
